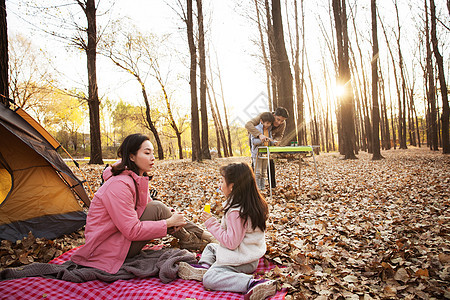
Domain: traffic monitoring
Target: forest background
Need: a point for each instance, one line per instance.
(357, 77)
(148, 69)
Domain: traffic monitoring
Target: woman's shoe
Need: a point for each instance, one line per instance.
(206, 236)
(191, 272)
(192, 242)
(261, 289)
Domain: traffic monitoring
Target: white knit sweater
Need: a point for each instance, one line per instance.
(252, 247)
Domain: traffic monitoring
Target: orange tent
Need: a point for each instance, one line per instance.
(38, 191)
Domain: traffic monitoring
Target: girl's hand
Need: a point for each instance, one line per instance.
(205, 216)
(176, 220)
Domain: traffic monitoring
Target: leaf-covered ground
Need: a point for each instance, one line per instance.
(379, 229)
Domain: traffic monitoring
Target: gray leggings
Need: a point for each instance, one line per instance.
(225, 278)
(156, 211)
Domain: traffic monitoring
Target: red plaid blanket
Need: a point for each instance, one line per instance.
(149, 288)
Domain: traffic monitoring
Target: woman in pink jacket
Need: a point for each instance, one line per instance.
(122, 217)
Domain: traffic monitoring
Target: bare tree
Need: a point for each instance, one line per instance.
(347, 105)
(229, 143)
(285, 81)
(400, 130)
(431, 95)
(220, 129)
(274, 66)
(402, 100)
(90, 46)
(386, 136)
(170, 118)
(299, 71)
(30, 82)
(195, 126)
(216, 123)
(444, 92)
(265, 57)
(4, 91)
(202, 64)
(362, 87)
(69, 30)
(375, 110)
(130, 57)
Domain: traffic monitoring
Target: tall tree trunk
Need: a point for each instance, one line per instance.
(216, 123)
(416, 119)
(195, 126)
(298, 73)
(314, 126)
(400, 130)
(328, 119)
(387, 136)
(4, 82)
(363, 107)
(363, 87)
(347, 111)
(327, 128)
(229, 143)
(375, 109)
(444, 92)
(411, 125)
(382, 98)
(382, 109)
(285, 88)
(150, 123)
(93, 102)
(202, 62)
(219, 119)
(265, 58)
(172, 122)
(402, 101)
(273, 57)
(300, 97)
(438, 123)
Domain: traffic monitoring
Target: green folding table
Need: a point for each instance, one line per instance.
(264, 152)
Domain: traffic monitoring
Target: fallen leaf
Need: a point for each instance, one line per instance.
(401, 275)
(351, 278)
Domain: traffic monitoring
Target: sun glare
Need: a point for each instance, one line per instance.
(340, 90)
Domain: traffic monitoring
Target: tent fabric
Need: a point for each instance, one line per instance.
(40, 190)
(49, 226)
(14, 122)
(6, 183)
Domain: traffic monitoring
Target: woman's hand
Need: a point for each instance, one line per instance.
(176, 220)
(205, 216)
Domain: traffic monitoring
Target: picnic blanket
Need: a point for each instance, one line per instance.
(162, 263)
(135, 288)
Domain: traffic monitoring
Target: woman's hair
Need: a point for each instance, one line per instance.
(282, 112)
(267, 117)
(245, 194)
(130, 145)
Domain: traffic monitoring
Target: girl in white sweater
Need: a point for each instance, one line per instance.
(227, 266)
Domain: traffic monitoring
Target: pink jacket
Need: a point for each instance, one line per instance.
(113, 222)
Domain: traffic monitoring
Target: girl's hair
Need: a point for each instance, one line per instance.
(130, 145)
(267, 117)
(245, 194)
